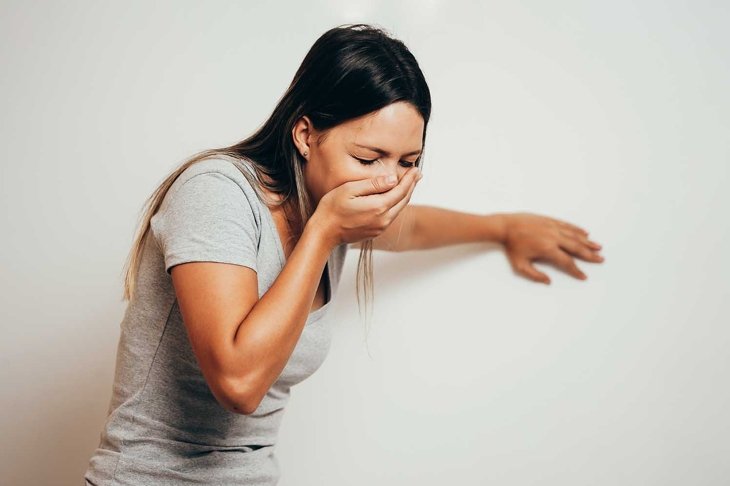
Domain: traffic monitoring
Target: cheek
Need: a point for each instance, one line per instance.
(351, 170)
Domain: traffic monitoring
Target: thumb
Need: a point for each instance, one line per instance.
(373, 185)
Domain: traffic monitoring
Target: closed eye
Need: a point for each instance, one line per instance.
(403, 163)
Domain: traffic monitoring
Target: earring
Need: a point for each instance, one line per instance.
(305, 154)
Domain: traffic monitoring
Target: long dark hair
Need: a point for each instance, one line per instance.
(351, 70)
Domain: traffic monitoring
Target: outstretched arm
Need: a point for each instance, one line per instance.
(435, 227)
(526, 237)
(420, 227)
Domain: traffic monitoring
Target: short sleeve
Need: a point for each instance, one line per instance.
(207, 219)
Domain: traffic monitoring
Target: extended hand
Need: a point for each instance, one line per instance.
(529, 237)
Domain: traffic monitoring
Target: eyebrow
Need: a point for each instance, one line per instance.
(384, 152)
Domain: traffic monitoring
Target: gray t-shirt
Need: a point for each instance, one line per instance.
(164, 426)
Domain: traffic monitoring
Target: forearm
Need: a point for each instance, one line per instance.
(435, 227)
(266, 338)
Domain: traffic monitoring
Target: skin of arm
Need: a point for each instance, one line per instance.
(242, 342)
(271, 330)
(526, 237)
(409, 230)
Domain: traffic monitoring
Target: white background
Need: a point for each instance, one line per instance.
(610, 115)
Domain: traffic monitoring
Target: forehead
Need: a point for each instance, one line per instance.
(396, 127)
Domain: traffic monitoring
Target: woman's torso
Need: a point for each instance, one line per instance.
(164, 426)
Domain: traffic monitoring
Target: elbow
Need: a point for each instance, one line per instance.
(243, 408)
(237, 397)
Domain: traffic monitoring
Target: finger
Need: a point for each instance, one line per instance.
(577, 247)
(593, 244)
(566, 262)
(391, 197)
(582, 238)
(373, 185)
(525, 267)
(395, 210)
(573, 227)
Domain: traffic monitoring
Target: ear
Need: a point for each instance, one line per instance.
(302, 134)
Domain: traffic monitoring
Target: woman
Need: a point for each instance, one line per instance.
(240, 252)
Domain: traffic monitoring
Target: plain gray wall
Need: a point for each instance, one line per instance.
(610, 115)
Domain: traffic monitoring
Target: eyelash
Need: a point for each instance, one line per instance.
(368, 162)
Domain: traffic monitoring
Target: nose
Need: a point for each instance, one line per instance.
(385, 170)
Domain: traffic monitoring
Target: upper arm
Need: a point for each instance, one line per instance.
(214, 298)
(208, 236)
(397, 236)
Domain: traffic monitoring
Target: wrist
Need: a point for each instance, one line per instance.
(495, 227)
(321, 231)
